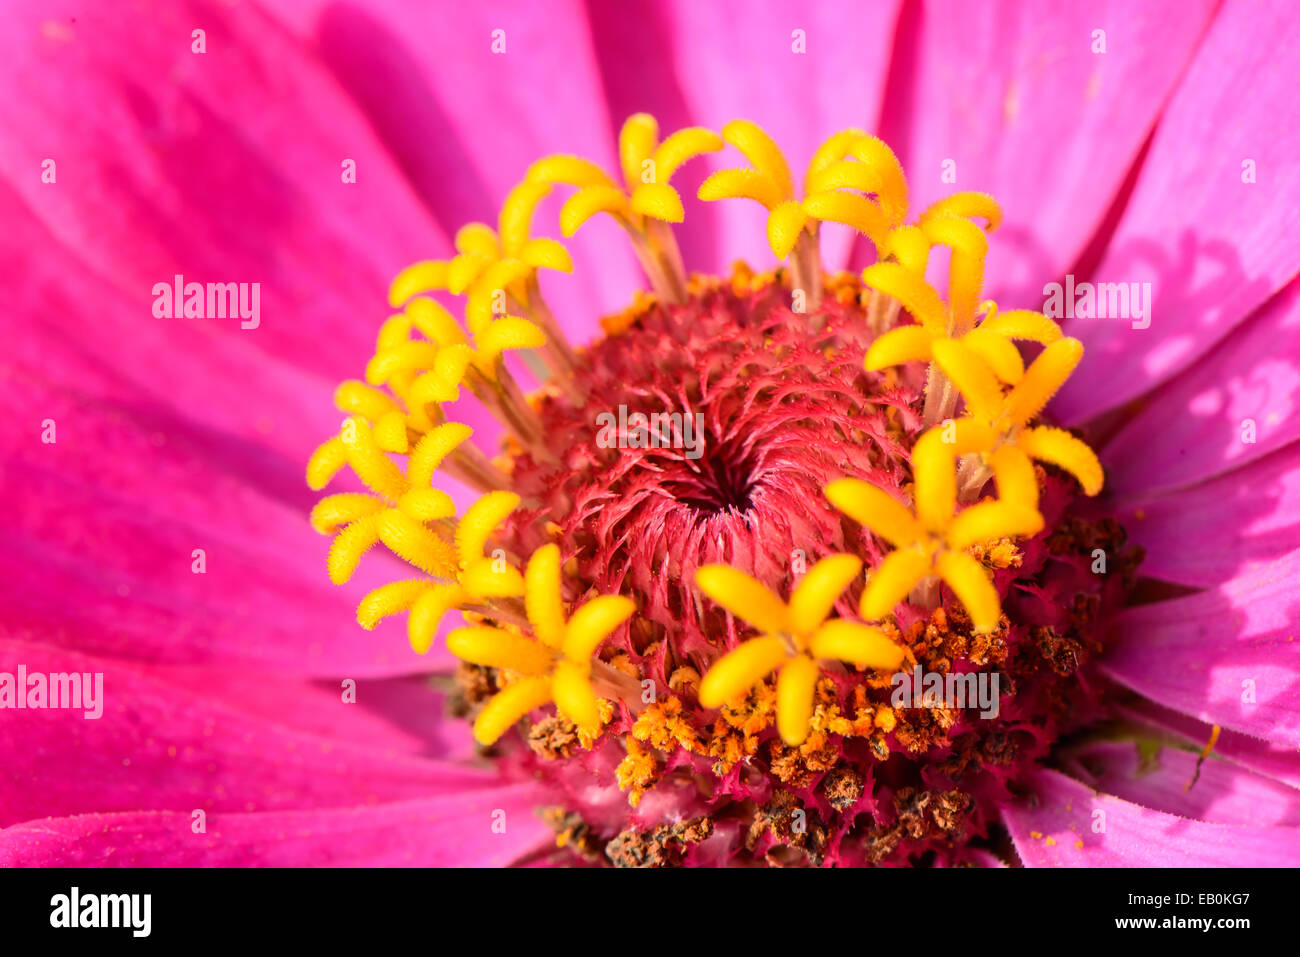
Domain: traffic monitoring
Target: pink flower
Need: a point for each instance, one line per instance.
(157, 534)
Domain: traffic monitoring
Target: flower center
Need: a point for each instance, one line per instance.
(671, 548)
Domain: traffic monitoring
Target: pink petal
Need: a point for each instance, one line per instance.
(222, 166)
(736, 60)
(1017, 100)
(451, 830)
(1208, 533)
(426, 73)
(1222, 794)
(1213, 247)
(1205, 653)
(1066, 824)
(112, 512)
(1239, 402)
(1275, 761)
(170, 742)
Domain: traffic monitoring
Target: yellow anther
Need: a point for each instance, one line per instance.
(407, 357)
(480, 522)
(325, 462)
(934, 481)
(1014, 474)
(430, 451)
(891, 186)
(966, 205)
(477, 238)
(368, 460)
(903, 344)
(741, 184)
(636, 141)
(1023, 324)
(568, 169)
(586, 203)
(515, 222)
(1042, 379)
(972, 377)
(349, 545)
(427, 504)
(832, 150)
(497, 648)
(390, 432)
(998, 352)
(428, 611)
(859, 645)
(966, 270)
(785, 224)
(1060, 448)
(795, 686)
(851, 210)
(909, 245)
(333, 511)
(973, 588)
(393, 332)
(509, 332)
(815, 595)
(763, 154)
(543, 604)
(875, 509)
(353, 396)
(415, 544)
(847, 160)
(424, 276)
(796, 635)
(508, 706)
(646, 165)
(486, 297)
(390, 599)
(745, 597)
(559, 659)
(933, 541)
(482, 579)
(736, 672)
(434, 322)
(917, 296)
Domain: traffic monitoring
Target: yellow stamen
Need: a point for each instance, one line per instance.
(508, 706)
(740, 669)
(1063, 450)
(388, 600)
(794, 698)
(814, 597)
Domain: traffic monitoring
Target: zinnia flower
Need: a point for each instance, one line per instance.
(966, 362)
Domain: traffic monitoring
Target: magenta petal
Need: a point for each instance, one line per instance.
(1067, 824)
(1012, 100)
(1208, 533)
(1228, 656)
(222, 166)
(1213, 246)
(1222, 794)
(1239, 402)
(1275, 761)
(112, 513)
(427, 73)
(491, 827)
(164, 745)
